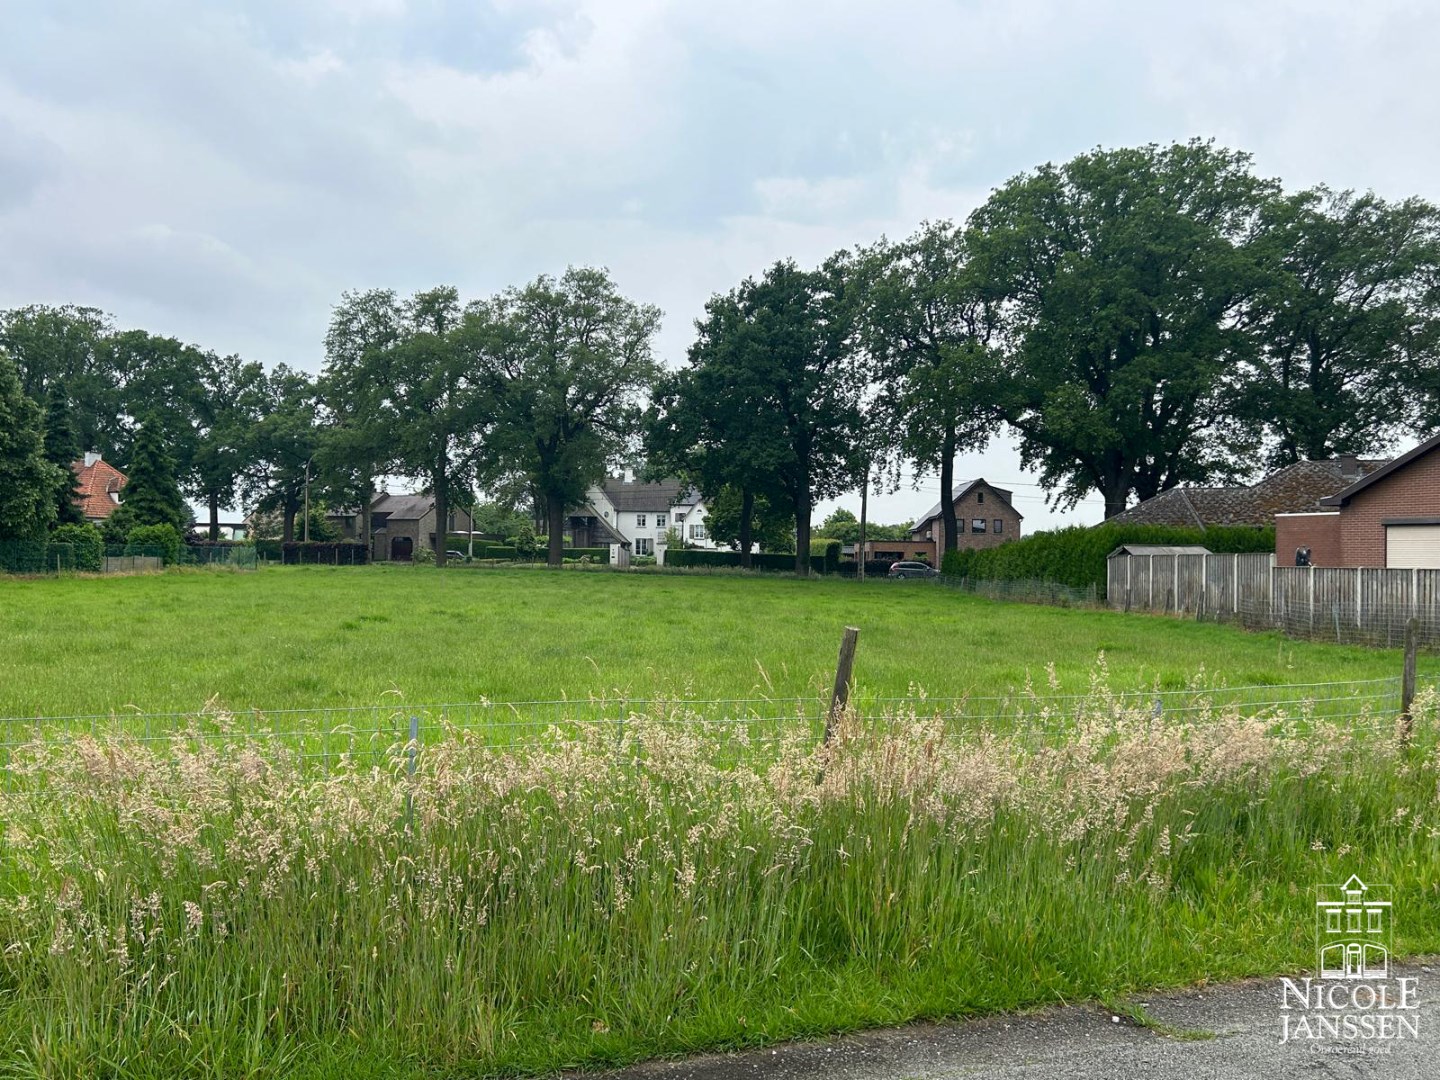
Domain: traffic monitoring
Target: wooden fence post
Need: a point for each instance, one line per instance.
(841, 693)
(1407, 679)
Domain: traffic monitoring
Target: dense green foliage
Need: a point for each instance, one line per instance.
(85, 542)
(1076, 556)
(145, 539)
(30, 486)
(151, 495)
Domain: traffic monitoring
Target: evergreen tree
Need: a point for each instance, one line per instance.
(151, 492)
(27, 481)
(62, 447)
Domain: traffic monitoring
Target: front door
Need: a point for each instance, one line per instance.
(402, 549)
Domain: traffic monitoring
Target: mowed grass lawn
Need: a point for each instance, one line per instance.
(308, 637)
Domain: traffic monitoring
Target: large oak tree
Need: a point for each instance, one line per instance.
(1122, 279)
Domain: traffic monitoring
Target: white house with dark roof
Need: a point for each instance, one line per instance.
(646, 513)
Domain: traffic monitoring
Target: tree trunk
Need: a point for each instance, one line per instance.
(442, 514)
(214, 502)
(747, 526)
(802, 533)
(1114, 501)
(949, 523)
(555, 523)
(288, 510)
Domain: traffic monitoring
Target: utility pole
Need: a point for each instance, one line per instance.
(307, 497)
(864, 506)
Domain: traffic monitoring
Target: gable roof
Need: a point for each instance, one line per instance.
(1294, 489)
(1340, 498)
(1160, 549)
(960, 493)
(403, 507)
(629, 496)
(98, 481)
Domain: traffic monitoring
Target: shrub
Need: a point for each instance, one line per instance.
(154, 539)
(1076, 556)
(86, 545)
(828, 551)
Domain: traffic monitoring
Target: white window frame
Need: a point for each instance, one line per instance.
(644, 546)
(697, 531)
(660, 521)
(640, 521)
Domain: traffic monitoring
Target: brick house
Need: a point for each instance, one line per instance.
(1389, 516)
(985, 518)
(99, 485)
(400, 525)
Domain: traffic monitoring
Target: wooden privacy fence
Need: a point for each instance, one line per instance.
(1351, 603)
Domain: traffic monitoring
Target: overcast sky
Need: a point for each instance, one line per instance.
(222, 176)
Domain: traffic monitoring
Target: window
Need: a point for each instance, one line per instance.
(660, 521)
(1374, 914)
(640, 521)
(1332, 920)
(999, 525)
(979, 496)
(1352, 920)
(644, 546)
(978, 525)
(697, 531)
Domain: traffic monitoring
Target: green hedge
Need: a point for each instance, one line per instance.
(145, 538)
(762, 561)
(324, 553)
(86, 543)
(1076, 556)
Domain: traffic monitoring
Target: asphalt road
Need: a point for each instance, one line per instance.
(1243, 1022)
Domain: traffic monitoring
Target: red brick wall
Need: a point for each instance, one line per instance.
(1410, 492)
(1319, 532)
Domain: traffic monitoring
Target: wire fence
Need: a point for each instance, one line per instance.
(330, 738)
(49, 557)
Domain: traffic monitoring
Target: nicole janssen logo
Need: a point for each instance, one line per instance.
(1356, 999)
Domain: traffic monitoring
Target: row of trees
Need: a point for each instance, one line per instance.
(1137, 318)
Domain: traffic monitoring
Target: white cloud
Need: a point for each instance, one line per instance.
(223, 176)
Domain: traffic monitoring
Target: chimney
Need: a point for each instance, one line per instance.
(1349, 466)
(91, 456)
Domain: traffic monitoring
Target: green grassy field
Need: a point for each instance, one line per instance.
(204, 907)
(317, 636)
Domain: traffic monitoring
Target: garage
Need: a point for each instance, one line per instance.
(1410, 547)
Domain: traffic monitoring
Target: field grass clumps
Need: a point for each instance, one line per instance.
(223, 907)
(1076, 556)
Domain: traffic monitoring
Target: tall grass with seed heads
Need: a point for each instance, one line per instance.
(218, 908)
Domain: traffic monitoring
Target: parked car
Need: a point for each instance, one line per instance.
(912, 569)
(454, 554)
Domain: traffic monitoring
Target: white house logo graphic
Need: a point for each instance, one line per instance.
(1355, 1001)
(1352, 930)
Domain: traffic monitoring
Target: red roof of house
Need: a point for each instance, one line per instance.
(99, 482)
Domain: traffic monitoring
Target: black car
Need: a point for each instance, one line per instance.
(912, 569)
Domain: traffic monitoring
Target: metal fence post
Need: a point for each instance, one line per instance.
(1407, 679)
(410, 771)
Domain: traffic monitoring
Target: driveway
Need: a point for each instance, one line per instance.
(1229, 1032)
